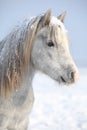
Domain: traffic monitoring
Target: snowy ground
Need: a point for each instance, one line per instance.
(59, 107)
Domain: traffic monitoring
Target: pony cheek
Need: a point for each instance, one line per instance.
(36, 58)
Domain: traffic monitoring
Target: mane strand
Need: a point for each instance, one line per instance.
(15, 56)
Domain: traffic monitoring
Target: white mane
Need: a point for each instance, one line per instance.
(56, 21)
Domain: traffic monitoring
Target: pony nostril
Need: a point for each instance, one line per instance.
(74, 76)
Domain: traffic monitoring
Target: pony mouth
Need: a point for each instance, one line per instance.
(63, 80)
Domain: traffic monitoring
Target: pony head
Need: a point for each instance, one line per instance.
(50, 53)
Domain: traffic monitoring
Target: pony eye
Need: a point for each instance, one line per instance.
(50, 44)
(59, 26)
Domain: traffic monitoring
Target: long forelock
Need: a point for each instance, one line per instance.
(55, 21)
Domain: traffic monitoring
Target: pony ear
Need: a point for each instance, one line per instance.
(47, 17)
(61, 17)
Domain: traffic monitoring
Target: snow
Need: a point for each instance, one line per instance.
(59, 107)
